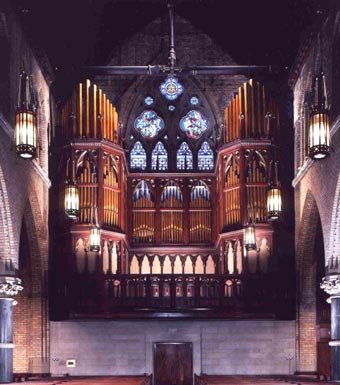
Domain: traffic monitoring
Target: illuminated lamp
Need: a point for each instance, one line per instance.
(94, 241)
(319, 132)
(71, 201)
(25, 131)
(274, 200)
(249, 236)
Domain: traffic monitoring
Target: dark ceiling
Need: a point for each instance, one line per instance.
(74, 33)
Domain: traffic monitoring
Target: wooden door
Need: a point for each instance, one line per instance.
(172, 363)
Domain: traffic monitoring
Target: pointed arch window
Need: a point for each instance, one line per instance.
(184, 157)
(205, 157)
(159, 157)
(138, 157)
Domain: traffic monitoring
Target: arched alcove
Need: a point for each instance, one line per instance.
(309, 261)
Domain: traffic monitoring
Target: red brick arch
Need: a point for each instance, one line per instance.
(306, 287)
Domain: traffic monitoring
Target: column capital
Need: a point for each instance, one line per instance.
(331, 284)
(9, 286)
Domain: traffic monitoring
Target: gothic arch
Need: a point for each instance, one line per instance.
(8, 251)
(334, 236)
(306, 262)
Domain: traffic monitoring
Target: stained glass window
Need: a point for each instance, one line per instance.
(138, 157)
(171, 108)
(205, 157)
(148, 100)
(194, 124)
(194, 100)
(184, 157)
(149, 124)
(159, 157)
(171, 88)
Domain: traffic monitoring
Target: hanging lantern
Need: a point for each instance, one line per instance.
(94, 241)
(71, 202)
(25, 132)
(274, 200)
(71, 196)
(319, 136)
(249, 237)
(274, 203)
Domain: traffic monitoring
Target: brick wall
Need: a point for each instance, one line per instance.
(316, 183)
(24, 198)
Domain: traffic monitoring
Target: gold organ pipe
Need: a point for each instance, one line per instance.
(107, 118)
(94, 112)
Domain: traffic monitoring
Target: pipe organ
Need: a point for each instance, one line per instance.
(170, 235)
(251, 125)
(89, 135)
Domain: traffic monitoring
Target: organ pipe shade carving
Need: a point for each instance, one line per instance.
(25, 132)
(249, 237)
(319, 136)
(71, 200)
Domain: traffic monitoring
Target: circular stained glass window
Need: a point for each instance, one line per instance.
(171, 88)
(194, 100)
(194, 124)
(148, 100)
(171, 107)
(149, 124)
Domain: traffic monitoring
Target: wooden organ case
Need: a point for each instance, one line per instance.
(172, 239)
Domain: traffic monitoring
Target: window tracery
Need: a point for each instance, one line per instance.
(194, 124)
(205, 157)
(159, 157)
(184, 157)
(138, 157)
(148, 123)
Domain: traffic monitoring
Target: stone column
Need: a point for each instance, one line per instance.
(331, 285)
(9, 286)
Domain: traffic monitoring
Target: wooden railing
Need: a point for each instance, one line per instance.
(196, 296)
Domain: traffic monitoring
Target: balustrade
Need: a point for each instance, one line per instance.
(229, 294)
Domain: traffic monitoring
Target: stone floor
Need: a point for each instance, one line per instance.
(202, 380)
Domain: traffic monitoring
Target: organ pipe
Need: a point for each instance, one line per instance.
(93, 115)
(245, 117)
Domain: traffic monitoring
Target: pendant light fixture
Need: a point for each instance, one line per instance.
(25, 132)
(319, 130)
(71, 196)
(274, 200)
(94, 241)
(249, 236)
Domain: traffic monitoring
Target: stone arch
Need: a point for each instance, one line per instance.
(334, 236)
(8, 250)
(306, 286)
(32, 352)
